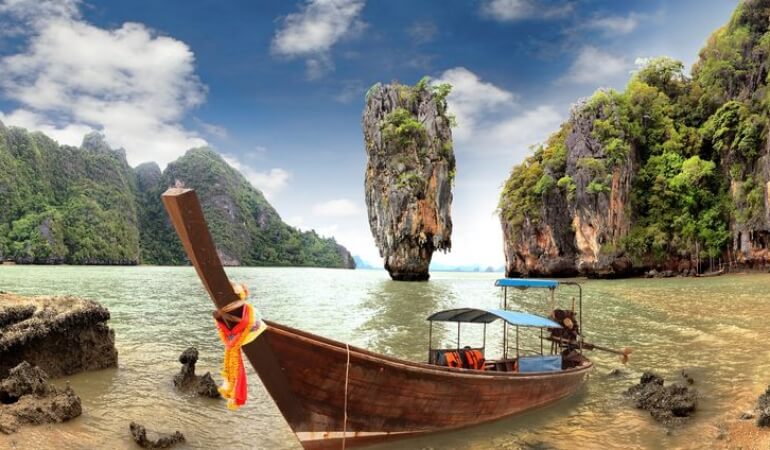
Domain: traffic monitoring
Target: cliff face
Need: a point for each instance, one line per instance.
(409, 175)
(86, 205)
(246, 228)
(672, 173)
(65, 204)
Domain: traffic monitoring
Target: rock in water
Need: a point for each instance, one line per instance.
(139, 434)
(27, 398)
(670, 405)
(763, 409)
(187, 381)
(61, 335)
(409, 175)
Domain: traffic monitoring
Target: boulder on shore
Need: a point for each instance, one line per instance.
(187, 381)
(670, 405)
(61, 335)
(26, 397)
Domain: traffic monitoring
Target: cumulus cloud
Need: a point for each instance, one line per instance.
(513, 10)
(471, 99)
(313, 31)
(129, 83)
(595, 66)
(336, 208)
(268, 182)
(490, 122)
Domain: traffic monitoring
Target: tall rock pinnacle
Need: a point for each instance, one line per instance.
(409, 174)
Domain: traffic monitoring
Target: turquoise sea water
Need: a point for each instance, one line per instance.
(715, 328)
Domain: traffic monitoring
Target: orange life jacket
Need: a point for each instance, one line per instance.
(453, 359)
(474, 358)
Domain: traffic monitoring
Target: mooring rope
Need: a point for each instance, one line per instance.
(345, 408)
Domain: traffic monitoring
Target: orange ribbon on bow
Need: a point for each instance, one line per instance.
(248, 328)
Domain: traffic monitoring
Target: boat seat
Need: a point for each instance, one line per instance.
(545, 363)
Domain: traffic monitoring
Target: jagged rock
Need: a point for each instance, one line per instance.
(187, 381)
(163, 440)
(61, 335)
(670, 405)
(26, 397)
(409, 176)
(763, 409)
(747, 415)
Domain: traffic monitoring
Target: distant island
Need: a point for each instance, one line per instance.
(86, 205)
(671, 174)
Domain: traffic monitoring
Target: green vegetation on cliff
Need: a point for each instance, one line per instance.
(694, 147)
(86, 205)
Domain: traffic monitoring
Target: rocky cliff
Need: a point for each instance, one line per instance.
(672, 173)
(409, 175)
(86, 205)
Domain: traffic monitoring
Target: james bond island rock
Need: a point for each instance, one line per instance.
(86, 205)
(61, 335)
(26, 397)
(409, 174)
(670, 175)
(187, 381)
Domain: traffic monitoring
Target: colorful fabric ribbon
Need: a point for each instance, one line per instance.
(248, 328)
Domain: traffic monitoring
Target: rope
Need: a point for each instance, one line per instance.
(345, 410)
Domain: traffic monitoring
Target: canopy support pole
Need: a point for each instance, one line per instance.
(458, 335)
(430, 342)
(505, 324)
(517, 341)
(484, 342)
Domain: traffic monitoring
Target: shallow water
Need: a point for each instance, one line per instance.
(715, 328)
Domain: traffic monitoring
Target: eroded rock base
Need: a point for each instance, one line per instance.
(26, 397)
(187, 381)
(61, 335)
(162, 440)
(670, 405)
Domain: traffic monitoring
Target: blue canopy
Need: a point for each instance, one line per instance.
(476, 315)
(524, 283)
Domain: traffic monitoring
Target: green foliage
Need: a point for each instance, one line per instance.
(568, 185)
(402, 126)
(410, 180)
(85, 206)
(596, 187)
(544, 184)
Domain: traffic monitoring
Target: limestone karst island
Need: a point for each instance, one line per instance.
(332, 224)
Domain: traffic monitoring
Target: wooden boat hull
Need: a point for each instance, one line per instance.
(387, 398)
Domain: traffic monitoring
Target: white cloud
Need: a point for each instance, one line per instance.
(521, 131)
(614, 25)
(513, 10)
(312, 32)
(129, 83)
(471, 99)
(336, 208)
(270, 182)
(595, 66)
(351, 90)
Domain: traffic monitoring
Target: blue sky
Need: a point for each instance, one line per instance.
(277, 86)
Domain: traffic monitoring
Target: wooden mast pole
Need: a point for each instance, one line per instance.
(186, 215)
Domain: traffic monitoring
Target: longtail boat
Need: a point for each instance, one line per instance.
(335, 395)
